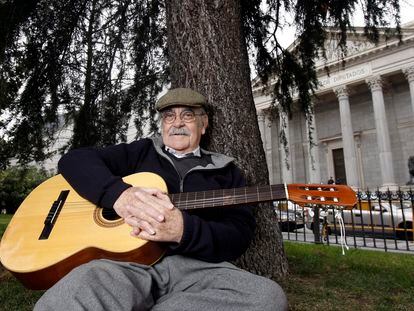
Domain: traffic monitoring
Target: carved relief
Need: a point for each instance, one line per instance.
(409, 73)
(334, 53)
(375, 83)
(341, 91)
(354, 47)
(260, 115)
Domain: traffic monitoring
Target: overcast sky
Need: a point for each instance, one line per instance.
(287, 35)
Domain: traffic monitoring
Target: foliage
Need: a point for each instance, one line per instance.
(16, 183)
(5, 154)
(12, 14)
(98, 62)
(93, 62)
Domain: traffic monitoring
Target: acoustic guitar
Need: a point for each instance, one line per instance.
(55, 229)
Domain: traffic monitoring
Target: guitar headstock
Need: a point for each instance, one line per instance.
(340, 195)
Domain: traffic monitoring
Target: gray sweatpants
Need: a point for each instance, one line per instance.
(174, 283)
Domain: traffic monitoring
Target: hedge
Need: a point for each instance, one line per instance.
(16, 183)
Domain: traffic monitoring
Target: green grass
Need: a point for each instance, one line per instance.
(13, 296)
(320, 278)
(4, 220)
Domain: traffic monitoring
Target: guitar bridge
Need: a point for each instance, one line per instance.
(53, 215)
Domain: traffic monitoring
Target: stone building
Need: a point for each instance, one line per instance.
(363, 117)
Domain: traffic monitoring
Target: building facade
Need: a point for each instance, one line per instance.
(363, 122)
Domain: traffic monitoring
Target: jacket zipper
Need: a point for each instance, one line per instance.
(191, 170)
(173, 165)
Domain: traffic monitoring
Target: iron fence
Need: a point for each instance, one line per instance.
(379, 220)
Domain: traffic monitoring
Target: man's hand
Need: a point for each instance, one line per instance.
(151, 214)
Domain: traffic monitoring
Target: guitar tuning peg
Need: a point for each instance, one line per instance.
(335, 199)
(323, 199)
(309, 198)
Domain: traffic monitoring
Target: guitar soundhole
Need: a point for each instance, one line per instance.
(107, 218)
(110, 214)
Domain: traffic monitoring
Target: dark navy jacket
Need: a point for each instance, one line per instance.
(214, 234)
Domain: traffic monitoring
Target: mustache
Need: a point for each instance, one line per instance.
(179, 131)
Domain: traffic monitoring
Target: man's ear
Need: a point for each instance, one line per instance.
(204, 124)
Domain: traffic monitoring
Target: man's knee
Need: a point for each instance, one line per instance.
(94, 267)
(64, 292)
(270, 296)
(88, 271)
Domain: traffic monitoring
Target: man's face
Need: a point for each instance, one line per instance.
(184, 133)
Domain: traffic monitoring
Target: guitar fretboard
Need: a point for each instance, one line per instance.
(228, 197)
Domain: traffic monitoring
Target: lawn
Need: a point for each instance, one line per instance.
(320, 278)
(13, 296)
(4, 220)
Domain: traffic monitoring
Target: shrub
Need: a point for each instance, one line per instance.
(16, 183)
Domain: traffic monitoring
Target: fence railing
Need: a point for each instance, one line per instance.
(380, 219)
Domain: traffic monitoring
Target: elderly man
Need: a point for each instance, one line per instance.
(194, 273)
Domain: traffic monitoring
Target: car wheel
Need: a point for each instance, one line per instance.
(402, 234)
(288, 226)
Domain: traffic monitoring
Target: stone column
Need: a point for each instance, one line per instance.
(383, 136)
(286, 163)
(409, 73)
(313, 151)
(269, 145)
(347, 136)
(261, 121)
(266, 139)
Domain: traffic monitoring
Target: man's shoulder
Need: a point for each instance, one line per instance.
(139, 145)
(141, 142)
(218, 159)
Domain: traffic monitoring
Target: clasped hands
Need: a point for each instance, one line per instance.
(151, 214)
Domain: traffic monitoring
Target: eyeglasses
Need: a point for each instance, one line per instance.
(187, 116)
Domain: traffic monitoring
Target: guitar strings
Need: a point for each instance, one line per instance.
(222, 197)
(222, 194)
(202, 203)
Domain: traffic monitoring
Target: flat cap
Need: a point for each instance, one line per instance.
(181, 97)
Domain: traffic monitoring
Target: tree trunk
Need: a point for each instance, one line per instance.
(85, 129)
(207, 52)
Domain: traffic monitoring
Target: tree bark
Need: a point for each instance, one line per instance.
(207, 52)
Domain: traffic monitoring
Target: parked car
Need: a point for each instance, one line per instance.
(289, 215)
(391, 220)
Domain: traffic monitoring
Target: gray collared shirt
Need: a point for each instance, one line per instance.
(196, 152)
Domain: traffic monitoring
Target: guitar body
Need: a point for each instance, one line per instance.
(81, 233)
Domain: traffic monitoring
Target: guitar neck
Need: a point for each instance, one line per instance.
(338, 195)
(228, 197)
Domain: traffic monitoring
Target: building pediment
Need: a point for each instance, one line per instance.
(357, 45)
(334, 53)
(359, 50)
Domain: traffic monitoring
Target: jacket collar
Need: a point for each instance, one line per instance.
(218, 160)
